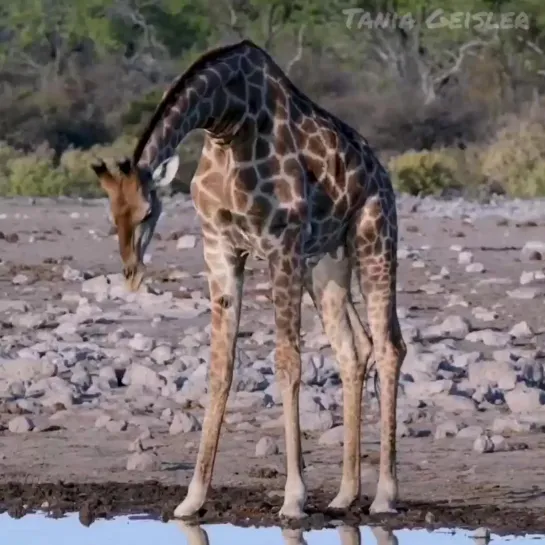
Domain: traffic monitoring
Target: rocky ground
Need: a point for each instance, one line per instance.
(99, 387)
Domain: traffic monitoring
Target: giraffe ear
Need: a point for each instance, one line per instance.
(125, 166)
(166, 171)
(107, 181)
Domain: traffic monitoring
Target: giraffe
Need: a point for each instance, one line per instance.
(195, 534)
(282, 179)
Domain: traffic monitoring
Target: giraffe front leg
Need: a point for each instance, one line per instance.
(286, 275)
(226, 270)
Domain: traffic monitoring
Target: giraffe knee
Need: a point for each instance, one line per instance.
(288, 366)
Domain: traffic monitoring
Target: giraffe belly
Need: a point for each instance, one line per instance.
(321, 237)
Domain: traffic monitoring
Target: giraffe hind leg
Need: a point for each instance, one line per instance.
(286, 268)
(375, 247)
(329, 285)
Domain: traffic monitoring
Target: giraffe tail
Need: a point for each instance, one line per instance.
(372, 367)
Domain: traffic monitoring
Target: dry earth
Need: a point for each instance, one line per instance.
(101, 393)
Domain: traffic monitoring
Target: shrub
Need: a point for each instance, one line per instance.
(424, 172)
(75, 166)
(516, 158)
(140, 111)
(7, 154)
(39, 174)
(35, 175)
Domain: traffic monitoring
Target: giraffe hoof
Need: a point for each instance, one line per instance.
(382, 507)
(341, 503)
(188, 508)
(292, 511)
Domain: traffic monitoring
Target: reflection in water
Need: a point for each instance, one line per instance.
(348, 535)
(38, 529)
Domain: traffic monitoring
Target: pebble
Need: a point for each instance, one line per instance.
(472, 369)
(183, 423)
(143, 461)
(186, 242)
(266, 446)
(20, 424)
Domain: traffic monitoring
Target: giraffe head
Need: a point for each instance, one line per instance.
(135, 208)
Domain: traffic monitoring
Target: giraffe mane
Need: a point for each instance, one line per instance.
(171, 95)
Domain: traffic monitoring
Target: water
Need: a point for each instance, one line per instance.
(36, 529)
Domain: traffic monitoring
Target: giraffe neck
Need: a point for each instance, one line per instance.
(213, 99)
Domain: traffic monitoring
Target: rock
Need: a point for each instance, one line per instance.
(446, 429)
(425, 389)
(492, 373)
(20, 279)
(266, 446)
(475, 268)
(186, 242)
(483, 445)
(143, 461)
(20, 424)
(98, 285)
(81, 378)
(316, 421)
(140, 375)
(140, 343)
(488, 337)
(465, 258)
(116, 426)
(102, 420)
(250, 381)
(532, 373)
(470, 432)
(184, 423)
(524, 293)
(500, 444)
(533, 250)
(509, 424)
(71, 275)
(332, 437)
(26, 369)
(521, 330)
(161, 354)
(452, 403)
(107, 376)
(453, 327)
(524, 400)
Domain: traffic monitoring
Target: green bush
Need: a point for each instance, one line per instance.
(424, 172)
(35, 175)
(516, 158)
(41, 174)
(75, 166)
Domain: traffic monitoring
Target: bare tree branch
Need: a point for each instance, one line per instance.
(463, 52)
(233, 24)
(133, 14)
(299, 53)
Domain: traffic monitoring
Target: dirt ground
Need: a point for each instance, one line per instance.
(76, 467)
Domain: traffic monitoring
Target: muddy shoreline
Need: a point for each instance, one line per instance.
(250, 507)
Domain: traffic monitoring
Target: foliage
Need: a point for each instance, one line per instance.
(516, 158)
(80, 78)
(424, 172)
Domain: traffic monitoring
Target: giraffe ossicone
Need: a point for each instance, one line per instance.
(285, 180)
